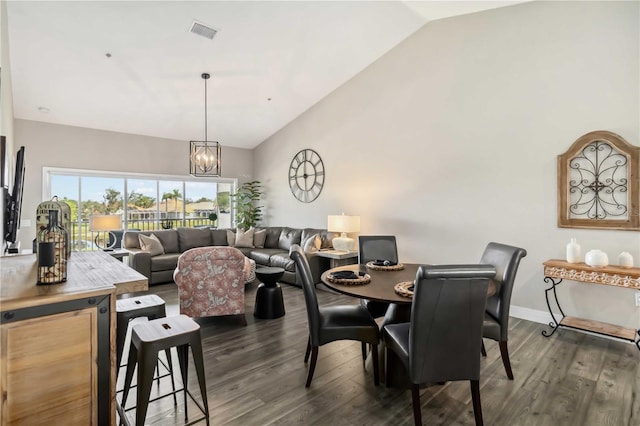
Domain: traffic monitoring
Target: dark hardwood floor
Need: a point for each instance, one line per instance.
(256, 375)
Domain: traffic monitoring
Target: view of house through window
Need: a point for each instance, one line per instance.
(143, 202)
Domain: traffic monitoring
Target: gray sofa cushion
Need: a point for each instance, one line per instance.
(289, 237)
(219, 237)
(263, 256)
(189, 238)
(282, 261)
(169, 240)
(164, 261)
(273, 235)
(246, 251)
(326, 237)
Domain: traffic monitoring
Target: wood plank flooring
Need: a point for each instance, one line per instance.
(256, 375)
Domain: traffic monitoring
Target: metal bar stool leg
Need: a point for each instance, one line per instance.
(146, 366)
(183, 359)
(131, 365)
(198, 360)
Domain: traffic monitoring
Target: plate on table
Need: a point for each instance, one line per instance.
(373, 266)
(362, 279)
(404, 288)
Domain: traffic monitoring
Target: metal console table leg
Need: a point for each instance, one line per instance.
(555, 324)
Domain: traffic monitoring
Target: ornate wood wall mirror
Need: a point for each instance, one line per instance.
(599, 183)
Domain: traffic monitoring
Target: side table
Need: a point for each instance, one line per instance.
(119, 254)
(339, 258)
(269, 301)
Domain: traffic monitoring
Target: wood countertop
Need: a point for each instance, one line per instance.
(89, 274)
(608, 275)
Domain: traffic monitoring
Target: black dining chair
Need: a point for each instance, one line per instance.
(506, 260)
(331, 323)
(442, 341)
(376, 247)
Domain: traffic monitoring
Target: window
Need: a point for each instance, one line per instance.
(145, 202)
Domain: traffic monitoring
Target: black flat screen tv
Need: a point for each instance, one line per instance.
(13, 202)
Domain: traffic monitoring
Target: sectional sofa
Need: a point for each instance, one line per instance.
(270, 249)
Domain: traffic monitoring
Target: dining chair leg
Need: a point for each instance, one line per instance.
(417, 411)
(483, 351)
(312, 367)
(364, 350)
(306, 355)
(504, 352)
(477, 407)
(376, 370)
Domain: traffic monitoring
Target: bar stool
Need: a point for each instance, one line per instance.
(147, 339)
(150, 306)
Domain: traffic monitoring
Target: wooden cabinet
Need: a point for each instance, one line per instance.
(49, 363)
(57, 342)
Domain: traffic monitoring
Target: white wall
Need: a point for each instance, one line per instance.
(450, 140)
(52, 145)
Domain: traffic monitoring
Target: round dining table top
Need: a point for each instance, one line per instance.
(381, 286)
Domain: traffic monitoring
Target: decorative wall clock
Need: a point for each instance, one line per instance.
(306, 175)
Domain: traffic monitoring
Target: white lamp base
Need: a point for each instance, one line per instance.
(343, 243)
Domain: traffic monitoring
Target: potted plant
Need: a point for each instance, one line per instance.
(213, 217)
(248, 213)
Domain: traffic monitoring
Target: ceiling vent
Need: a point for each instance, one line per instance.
(202, 30)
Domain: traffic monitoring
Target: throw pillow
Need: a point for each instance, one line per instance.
(231, 238)
(151, 244)
(311, 244)
(244, 238)
(259, 238)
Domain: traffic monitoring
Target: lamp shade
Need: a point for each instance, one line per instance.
(105, 222)
(343, 223)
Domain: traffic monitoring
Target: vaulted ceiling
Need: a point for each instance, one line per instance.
(135, 67)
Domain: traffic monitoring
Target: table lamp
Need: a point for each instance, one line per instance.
(105, 223)
(343, 224)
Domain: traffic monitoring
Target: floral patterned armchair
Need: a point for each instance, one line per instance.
(211, 281)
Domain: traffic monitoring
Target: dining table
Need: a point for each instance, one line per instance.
(381, 287)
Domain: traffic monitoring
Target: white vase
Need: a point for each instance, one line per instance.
(573, 252)
(596, 258)
(625, 260)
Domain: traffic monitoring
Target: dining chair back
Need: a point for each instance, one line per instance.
(442, 341)
(371, 248)
(506, 260)
(374, 247)
(331, 323)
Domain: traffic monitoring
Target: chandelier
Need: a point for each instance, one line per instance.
(204, 156)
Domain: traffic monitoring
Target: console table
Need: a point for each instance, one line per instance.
(557, 270)
(58, 340)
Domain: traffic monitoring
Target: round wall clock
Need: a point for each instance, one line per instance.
(306, 175)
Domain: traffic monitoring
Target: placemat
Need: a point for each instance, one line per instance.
(373, 267)
(365, 279)
(403, 288)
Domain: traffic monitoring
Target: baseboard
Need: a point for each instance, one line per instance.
(542, 317)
